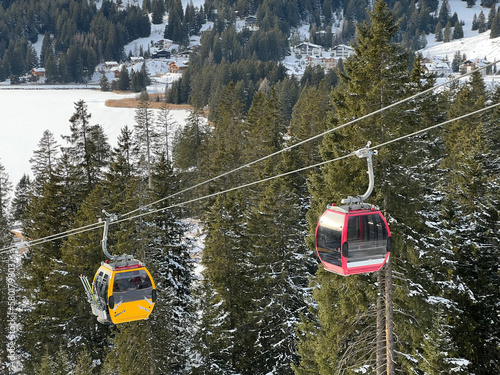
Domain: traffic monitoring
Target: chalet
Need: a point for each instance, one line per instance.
(110, 64)
(117, 70)
(308, 49)
(134, 60)
(20, 241)
(469, 65)
(38, 72)
(439, 68)
(161, 54)
(342, 51)
(250, 21)
(325, 62)
(176, 67)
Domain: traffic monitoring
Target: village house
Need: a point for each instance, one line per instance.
(439, 68)
(469, 65)
(38, 72)
(110, 64)
(342, 51)
(161, 54)
(134, 60)
(176, 67)
(325, 62)
(308, 49)
(250, 22)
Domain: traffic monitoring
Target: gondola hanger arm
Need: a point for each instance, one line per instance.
(109, 219)
(367, 153)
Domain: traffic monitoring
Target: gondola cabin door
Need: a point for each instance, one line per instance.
(352, 241)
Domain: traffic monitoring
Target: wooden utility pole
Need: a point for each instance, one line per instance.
(380, 326)
(389, 323)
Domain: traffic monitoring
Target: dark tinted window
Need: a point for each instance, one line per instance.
(329, 236)
(367, 237)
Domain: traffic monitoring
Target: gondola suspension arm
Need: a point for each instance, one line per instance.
(109, 219)
(364, 152)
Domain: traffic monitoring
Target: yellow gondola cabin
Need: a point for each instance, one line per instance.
(133, 293)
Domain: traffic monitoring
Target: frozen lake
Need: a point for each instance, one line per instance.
(26, 114)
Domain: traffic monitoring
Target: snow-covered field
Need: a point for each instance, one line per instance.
(26, 114)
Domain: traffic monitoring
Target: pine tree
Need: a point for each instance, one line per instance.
(276, 245)
(439, 32)
(104, 83)
(495, 26)
(447, 33)
(225, 341)
(475, 23)
(88, 149)
(46, 215)
(457, 60)
(146, 135)
(165, 123)
(444, 12)
(171, 327)
(45, 158)
(123, 82)
(458, 32)
(481, 23)
(84, 365)
(5, 241)
(491, 17)
(436, 348)
(21, 198)
(158, 12)
(467, 207)
(309, 119)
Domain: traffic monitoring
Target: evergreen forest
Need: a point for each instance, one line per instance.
(259, 301)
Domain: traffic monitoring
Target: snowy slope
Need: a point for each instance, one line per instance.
(474, 45)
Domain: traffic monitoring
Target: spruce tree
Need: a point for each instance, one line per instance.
(495, 26)
(481, 23)
(447, 33)
(87, 150)
(469, 203)
(5, 241)
(226, 251)
(21, 198)
(276, 227)
(146, 135)
(45, 158)
(170, 261)
(165, 124)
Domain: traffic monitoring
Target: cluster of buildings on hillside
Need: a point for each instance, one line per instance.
(315, 55)
(441, 66)
(305, 54)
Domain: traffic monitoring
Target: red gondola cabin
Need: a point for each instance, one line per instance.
(353, 241)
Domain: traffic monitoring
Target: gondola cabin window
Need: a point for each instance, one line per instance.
(329, 237)
(367, 238)
(132, 286)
